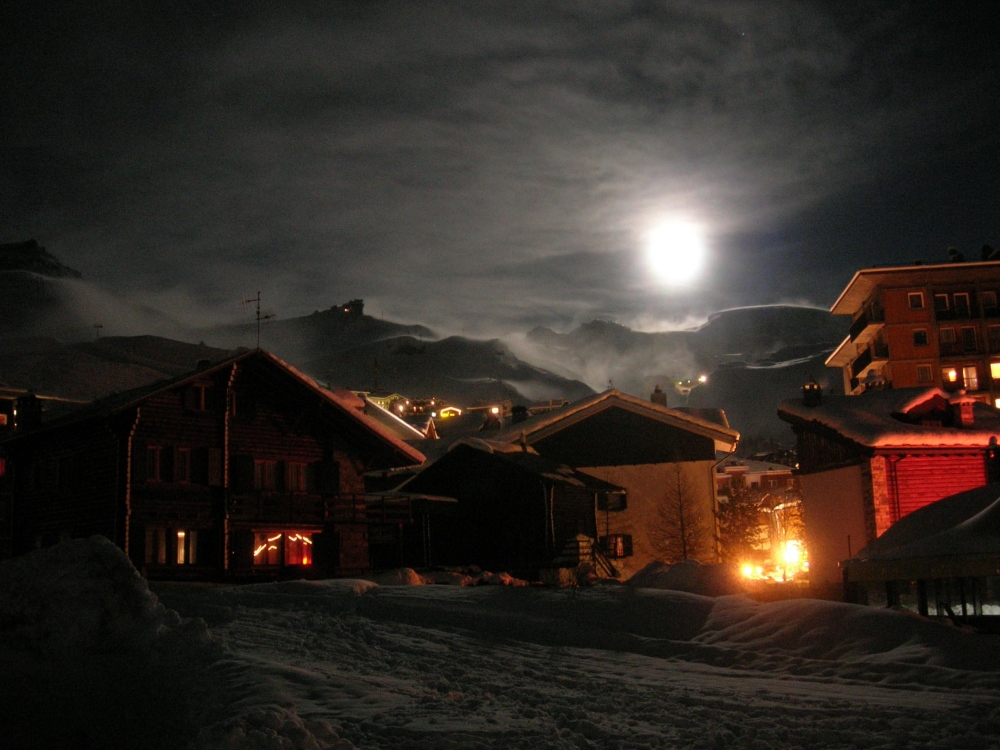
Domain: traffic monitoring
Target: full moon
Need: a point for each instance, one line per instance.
(676, 252)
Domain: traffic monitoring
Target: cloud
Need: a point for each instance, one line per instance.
(489, 166)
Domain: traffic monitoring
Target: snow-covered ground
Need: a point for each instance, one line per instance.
(90, 659)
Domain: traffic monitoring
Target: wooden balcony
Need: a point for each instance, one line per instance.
(867, 325)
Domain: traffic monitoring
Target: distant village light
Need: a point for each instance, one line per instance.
(703, 379)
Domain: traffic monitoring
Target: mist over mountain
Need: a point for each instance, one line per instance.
(62, 335)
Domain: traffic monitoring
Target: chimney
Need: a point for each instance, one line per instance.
(812, 393)
(27, 412)
(962, 414)
(658, 396)
(518, 414)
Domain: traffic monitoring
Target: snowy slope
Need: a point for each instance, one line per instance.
(354, 664)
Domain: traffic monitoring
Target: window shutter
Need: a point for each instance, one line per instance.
(138, 462)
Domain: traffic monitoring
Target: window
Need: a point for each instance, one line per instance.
(989, 300)
(187, 546)
(916, 300)
(298, 549)
(920, 337)
(154, 463)
(994, 373)
(611, 501)
(295, 477)
(941, 302)
(3, 419)
(267, 548)
(970, 378)
(171, 546)
(947, 335)
(265, 475)
(994, 335)
(924, 374)
(617, 545)
(949, 375)
(962, 307)
(182, 466)
(196, 397)
(969, 339)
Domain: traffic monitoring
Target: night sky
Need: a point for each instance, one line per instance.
(490, 166)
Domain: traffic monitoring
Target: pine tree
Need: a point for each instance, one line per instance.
(680, 529)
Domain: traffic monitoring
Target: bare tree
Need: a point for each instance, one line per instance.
(680, 529)
(741, 523)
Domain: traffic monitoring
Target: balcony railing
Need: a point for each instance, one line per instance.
(872, 354)
(872, 317)
(275, 507)
(960, 349)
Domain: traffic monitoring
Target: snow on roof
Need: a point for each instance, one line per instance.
(550, 421)
(754, 466)
(119, 402)
(869, 419)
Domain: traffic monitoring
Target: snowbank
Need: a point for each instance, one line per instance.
(690, 576)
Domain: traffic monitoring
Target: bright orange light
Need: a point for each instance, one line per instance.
(792, 553)
(952, 376)
(260, 549)
(495, 410)
(274, 538)
(747, 571)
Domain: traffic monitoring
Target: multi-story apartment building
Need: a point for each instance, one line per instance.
(923, 325)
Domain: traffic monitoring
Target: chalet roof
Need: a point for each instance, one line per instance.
(523, 461)
(753, 466)
(864, 281)
(120, 402)
(543, 425)
(870, 419)
(398, 427)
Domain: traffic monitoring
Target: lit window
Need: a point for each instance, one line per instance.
(916, 300)
(3, 420)
(995, 370)
(171, 546)
(298, 549)
(617, 545)
(970, 378)
(950, 375)
(920, 337)
(267, 548)
(924, 374)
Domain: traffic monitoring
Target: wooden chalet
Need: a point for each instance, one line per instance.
(241, 469)
(868, 461)
(516, 511)
(662, 457)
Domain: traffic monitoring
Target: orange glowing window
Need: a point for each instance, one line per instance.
(298, 549)
(267, 548)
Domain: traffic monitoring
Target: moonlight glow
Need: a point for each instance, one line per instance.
(676, 252)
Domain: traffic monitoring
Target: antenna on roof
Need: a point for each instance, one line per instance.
(260, 318)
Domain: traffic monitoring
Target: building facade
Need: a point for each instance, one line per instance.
(922, 326)
(244, 468)
(867, 461)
